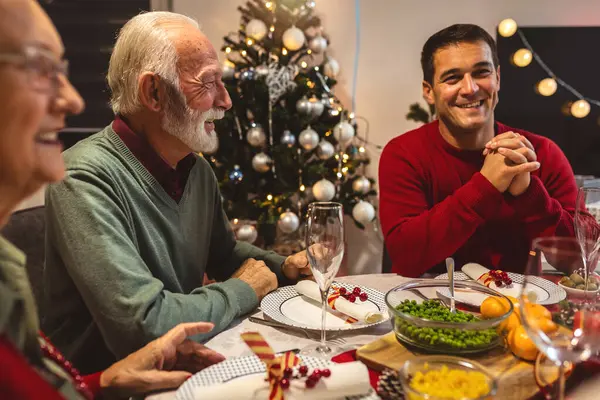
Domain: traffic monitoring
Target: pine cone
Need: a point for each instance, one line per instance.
(389, 386)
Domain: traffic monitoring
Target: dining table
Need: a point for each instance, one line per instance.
(230, 344)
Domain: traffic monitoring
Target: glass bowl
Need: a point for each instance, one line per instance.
(433, 335)
(424, 364)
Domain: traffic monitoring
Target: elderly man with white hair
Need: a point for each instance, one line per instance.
(138, 220)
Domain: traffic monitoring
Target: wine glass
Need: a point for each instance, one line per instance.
(587, 228)
(325, 250)
(576, 335)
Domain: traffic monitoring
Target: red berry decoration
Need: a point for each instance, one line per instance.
(288, 372)
(316, 373)
(352, 298)
(342, 291)
(326, 373)
(285, 383)
(363, 296)
(303, 370)
(356, 291)
(310, 383)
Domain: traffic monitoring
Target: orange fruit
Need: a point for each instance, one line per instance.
(508, 324)
(521, 344)
(494, 307)
(536, 311)
(546, 325)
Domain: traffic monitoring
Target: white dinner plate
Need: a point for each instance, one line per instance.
(241, 368)
(546, 292)
(289, 307)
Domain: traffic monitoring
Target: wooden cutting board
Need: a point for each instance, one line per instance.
(515, 377)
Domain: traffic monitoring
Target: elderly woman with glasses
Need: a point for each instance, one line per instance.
(37, 97)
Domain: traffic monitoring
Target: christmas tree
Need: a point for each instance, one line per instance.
(288, 140)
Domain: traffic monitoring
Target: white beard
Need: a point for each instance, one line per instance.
(187, 125)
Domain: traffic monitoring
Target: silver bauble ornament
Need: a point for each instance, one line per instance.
(316, 107)
(288, 222)
(331, 68)
(228, 69)
(361, 185)
(323, 190)
(363, 212)
(318, 44)
(293, 38)
(256, 29)
(308, 139)
(246, 233)
(247, 75)
(304, 107)
(262, 70)
(261, 163)
(256, 136)
(325, 150)
(343, 131)
(287, 138)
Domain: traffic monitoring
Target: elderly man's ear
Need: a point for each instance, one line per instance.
(151, 91)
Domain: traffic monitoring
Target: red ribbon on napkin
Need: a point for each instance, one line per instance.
(335, 294)
(275, 365)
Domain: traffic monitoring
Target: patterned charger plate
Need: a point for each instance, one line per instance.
(238, 367)
(547, 292)
(289, 307)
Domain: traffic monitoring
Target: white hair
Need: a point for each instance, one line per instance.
(143, 45)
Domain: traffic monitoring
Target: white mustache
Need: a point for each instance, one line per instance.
(213, 113)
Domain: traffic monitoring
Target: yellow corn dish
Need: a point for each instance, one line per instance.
(446, 383)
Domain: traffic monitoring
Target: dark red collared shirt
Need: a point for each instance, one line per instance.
(173, 181)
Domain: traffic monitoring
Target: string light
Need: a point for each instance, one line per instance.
(244, 53)
(235, 221)
(507, 27)
(272, 28)
(303, 64)
(339, 175)
(269, 5)
(345, 157)
(345, 169)
(249, 41)
(547, 87)
(269, 197)
(335, 112)
(522, 57)
(284, 51)
(351, 116)
(309, 51)
(361, 149)
(228, 50)
(337, 156)
(580, 109)
(317, 68)
(302, 188)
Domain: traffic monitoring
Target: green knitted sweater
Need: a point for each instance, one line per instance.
(125, 262)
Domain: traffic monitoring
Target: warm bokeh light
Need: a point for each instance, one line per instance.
(547, 87)
(507, 27)
(580, 108)
(522, 57)
(269, 197)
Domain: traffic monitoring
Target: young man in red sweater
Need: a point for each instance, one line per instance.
(466, 186)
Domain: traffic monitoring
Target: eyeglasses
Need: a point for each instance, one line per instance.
(43, 68)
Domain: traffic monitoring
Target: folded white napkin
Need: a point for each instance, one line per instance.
(356, 310)
(348, 379)
(475, 272)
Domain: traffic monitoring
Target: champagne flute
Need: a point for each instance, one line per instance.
(576, 338)
(325, 250)
(587, 228)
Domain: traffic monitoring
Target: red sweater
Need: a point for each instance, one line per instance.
(18, 380)
(435, 204)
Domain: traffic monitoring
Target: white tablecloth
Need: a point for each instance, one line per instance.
(230, 344)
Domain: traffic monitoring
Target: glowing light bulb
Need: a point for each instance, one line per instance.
(303, 64)
(507, 27)
(334, 113)
(580, 108)
(272, 28)
(269, 5)
(244, 52)
(337, 156)
(228, 50)
(309, 51)
(316, 68)
(345, 169)
(284, 51)
(522, 57)
(235, 221)
(361, 149)
(302, 188)
(269, 197)
(351, 116)
(339, 174)
(345, 157)
(547, 87)
(249, 41)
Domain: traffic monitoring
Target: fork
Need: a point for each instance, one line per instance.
(314, 336)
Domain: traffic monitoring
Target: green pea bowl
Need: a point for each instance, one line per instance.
(421, 318)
